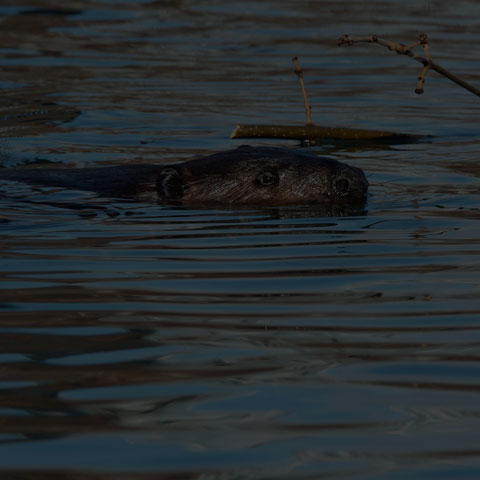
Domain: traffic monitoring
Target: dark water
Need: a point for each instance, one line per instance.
(148, 342)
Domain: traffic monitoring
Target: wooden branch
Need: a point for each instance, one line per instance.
(308, 109)
(314, 132)
(407, 50)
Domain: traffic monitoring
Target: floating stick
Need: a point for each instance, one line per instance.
(313, 132)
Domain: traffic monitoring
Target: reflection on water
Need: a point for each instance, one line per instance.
(153, 342)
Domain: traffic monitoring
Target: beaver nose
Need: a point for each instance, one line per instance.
(350, 183)
(341, 186)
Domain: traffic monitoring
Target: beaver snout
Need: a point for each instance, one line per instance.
(350, 184)
(342, 186)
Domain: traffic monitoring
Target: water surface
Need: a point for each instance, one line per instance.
(153, 342)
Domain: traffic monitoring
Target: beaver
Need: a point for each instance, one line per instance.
(243, 176)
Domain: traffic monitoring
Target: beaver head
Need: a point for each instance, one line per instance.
(262, 176)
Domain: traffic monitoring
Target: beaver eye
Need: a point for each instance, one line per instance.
(342, 186)
(267, 178)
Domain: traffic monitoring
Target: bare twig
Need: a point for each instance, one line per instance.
(308, 109)
(421, 80)
(312, 133)
(402, 49)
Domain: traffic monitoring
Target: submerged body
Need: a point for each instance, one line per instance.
(244, 176)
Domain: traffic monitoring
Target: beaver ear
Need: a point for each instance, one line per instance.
(170, 183)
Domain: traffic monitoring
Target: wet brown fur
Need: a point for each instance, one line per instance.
(244, 176)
